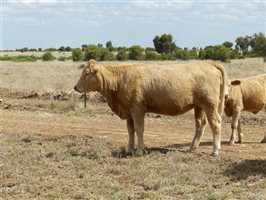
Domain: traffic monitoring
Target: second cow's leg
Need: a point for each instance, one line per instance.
(201, 122)
(234, 125)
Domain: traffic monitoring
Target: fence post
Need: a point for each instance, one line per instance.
(85, 100)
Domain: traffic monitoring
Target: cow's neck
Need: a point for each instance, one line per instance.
(109, 81)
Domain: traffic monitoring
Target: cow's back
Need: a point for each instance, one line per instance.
(175, 89)
(253, 91)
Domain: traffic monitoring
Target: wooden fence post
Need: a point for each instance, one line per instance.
(85, 100)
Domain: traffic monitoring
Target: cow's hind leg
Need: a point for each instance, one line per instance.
(201, 122)
(138, 118)
(215, 121)
(131, 136)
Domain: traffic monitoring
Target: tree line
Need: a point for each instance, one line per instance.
(166, 49)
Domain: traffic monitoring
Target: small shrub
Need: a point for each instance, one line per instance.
(77, 55)
(150, 55)
(122, 55)
(136, 52)
(62, 58)
(92, 52)
(47, 56)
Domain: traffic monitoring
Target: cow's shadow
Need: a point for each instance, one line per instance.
(182, 147)
(246, 168)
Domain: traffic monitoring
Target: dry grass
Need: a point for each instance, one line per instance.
(81, 167)
(38, 54)
(61, 76)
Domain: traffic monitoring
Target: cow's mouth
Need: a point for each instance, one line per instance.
(76, 89)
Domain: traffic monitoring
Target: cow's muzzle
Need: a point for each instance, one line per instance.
(76, 89)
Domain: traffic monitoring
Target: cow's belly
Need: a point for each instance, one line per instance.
(169, 109)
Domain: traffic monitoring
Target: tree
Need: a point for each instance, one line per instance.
(182, 54)
(109, 46)
(136, 52)
(228, 44)
(83, 47)
(242, 43)
(164, 43)
(122, 55)
(106, 54)
(150, 55)
(77, 55)
(62, 48)
(259, 41)
(92, 52)
(221, 53)
(68, 48)
(193, 53)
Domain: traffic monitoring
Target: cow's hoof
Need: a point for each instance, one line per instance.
(215, 154)
(240, 141)
(232, 142)
(192, 149)
(139, 153)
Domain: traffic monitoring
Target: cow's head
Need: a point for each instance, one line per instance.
(89, 80)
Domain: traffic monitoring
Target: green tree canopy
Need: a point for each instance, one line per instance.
(164, 44)
(136, 52)
(109, 46)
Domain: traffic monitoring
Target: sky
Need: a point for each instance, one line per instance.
(49, 23)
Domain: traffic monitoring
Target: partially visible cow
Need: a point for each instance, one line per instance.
(247, 94)
(133, 90)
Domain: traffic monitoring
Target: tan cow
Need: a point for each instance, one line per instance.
(247, 94)
(133, 90)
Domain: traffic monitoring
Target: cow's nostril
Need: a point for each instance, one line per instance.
(75, 88)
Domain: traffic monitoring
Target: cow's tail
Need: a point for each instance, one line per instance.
(223, 86)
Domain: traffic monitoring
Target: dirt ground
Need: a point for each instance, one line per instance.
(26, 115)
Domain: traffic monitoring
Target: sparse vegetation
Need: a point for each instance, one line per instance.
(47, 56)
(20, 58)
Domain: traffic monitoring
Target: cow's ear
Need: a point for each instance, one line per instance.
(236, 82)
(92, 66)
(94, 69)
(92, 62)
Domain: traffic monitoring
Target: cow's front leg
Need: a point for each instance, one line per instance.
(131, 136)
(138, 118)
(234, 125)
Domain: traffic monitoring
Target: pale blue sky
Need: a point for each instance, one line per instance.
(45, 24)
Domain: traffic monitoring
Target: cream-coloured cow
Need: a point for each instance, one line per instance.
(133, 90)
(247, 94)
